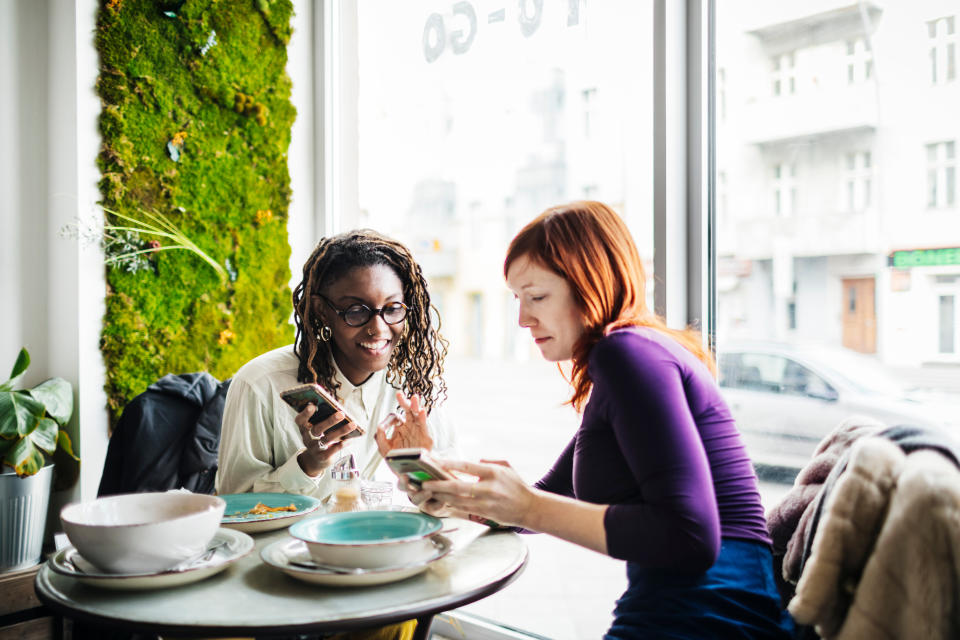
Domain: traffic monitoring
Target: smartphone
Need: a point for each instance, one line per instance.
(327, 405)
(416, 465)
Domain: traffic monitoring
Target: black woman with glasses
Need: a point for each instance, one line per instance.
(366, 333)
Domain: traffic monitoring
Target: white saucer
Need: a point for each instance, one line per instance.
(279, 554)
(236, 545)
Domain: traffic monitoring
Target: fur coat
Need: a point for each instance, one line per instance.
(885, 562)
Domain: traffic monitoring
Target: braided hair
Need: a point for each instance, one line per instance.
(416, 365)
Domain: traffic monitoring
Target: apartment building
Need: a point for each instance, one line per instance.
(838, 213)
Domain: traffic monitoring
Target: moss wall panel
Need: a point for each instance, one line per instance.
(196, 123)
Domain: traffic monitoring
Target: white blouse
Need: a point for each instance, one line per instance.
(260, 442)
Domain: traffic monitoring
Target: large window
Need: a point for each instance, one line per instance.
(836, 231)
(473, 118)
(859, 283)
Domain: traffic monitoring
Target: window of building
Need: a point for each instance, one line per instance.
(948, 323)
(721, 94)
(858, 180)
(589, 101)
(784, 189)
(784, 74)
(722, 210)
(941, 175)
(943, 49)
(859, 61)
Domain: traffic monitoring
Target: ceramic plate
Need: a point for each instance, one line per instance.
(235, 545)
(280, 554)
(236, 514)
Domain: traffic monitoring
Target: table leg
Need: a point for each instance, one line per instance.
(422, 631)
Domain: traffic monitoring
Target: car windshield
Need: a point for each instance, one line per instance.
(862, 373)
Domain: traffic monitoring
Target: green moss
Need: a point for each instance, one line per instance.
(209, 81)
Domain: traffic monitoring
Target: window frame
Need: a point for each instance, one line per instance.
(944, 49)
(941, 193)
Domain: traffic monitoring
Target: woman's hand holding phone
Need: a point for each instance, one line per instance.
(407, 432)
(425, 501)
(323, 425)
(322, 448)
(499, 494)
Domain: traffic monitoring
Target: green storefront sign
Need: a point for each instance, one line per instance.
(925, 258)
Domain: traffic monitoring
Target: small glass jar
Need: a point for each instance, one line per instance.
(346, 486)
(376, 494)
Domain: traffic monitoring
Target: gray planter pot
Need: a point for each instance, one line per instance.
(23, 516)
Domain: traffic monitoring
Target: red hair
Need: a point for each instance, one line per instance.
(588, 245)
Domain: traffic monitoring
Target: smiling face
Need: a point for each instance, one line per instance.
(360, 351)
(547, 307)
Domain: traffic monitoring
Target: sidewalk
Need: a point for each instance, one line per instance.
(943, 377)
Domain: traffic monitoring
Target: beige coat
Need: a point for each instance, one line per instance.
(885, 562)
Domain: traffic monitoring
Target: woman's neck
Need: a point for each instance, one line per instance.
(355, 377)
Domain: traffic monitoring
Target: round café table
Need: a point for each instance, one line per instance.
(251, 598)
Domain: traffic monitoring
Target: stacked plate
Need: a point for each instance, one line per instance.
(224, 549)
(359, 548)
(147, 540)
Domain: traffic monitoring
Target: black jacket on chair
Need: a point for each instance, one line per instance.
(167, 437)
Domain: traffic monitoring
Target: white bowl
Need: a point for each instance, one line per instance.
(369, 539)
(142, 532)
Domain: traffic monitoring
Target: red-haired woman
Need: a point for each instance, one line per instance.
(657, 474)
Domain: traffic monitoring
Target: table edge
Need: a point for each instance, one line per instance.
(429, 608)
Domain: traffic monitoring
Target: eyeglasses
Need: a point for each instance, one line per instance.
(357, 315)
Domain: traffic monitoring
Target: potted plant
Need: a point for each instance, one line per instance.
(31, 430)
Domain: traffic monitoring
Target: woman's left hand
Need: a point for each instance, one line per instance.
(499, 494)
(410, 431)
(425, 501)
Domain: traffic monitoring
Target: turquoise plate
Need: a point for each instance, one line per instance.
(236, 514)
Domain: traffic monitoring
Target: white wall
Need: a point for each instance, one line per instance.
(52, 288)
(23, 183)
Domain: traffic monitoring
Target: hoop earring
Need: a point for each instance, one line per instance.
(326, 333)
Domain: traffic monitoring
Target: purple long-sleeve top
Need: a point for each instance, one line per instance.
(658, 444)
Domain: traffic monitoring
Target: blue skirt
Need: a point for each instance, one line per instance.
(735, 598)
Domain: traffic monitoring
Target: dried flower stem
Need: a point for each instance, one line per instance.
(158, 225)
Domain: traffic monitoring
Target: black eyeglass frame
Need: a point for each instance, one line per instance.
(370, 312)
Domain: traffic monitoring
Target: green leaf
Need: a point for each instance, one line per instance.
(25, 458)
(5, 446)
(56, 394)
(18, 414)
(45, 435)
(23, 361)
(64, 444)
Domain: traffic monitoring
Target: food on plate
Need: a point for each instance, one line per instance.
(261, 509)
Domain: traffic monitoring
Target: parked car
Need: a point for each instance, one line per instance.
(786, 398)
